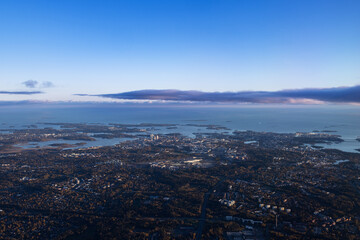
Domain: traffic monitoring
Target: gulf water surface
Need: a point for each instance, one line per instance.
(339, 120)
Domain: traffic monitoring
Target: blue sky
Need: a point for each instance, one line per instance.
(113, 46)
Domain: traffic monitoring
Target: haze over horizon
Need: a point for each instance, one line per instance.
(88, 51)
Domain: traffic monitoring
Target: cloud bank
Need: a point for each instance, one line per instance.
(20, 92)
(315, 95)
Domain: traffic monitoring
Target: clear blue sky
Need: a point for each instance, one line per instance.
(112, 46)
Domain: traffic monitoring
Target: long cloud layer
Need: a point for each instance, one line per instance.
(20, 92)
(334, 95)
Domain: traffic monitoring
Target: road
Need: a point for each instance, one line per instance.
(202, 218)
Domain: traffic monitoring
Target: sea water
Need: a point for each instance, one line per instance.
(339, 120)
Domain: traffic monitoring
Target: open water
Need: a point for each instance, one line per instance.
(343, 120)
